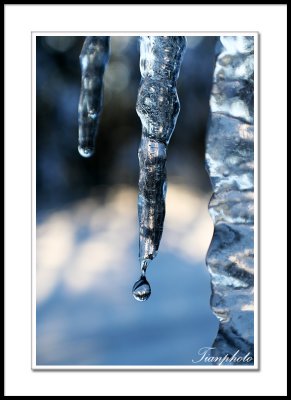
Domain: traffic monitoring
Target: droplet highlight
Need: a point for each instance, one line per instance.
(141, 290)
(86, 152)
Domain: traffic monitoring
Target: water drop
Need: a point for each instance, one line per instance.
(86, 151)
(141, 290)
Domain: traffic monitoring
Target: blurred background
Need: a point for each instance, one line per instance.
(87, 227)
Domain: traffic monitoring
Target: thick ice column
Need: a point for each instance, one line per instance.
(158, 108)
(230, 163)
(93, 59)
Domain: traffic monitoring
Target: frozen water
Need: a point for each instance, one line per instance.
(158, 109)
(93, 59)
(230, 163)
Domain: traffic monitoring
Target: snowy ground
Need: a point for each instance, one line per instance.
(86, 265)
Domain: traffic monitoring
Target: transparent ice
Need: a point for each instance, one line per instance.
(230, 163)
(93, 59)
(158, 108)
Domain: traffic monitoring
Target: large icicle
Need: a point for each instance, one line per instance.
(230, 163)
(158, 109)
(93, 60)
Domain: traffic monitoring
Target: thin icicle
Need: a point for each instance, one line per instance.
(93, 60)
(158, 109)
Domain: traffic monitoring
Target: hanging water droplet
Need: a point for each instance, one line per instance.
(141, 290)
(86, 151)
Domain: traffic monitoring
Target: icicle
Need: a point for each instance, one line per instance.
(93, 60)
(158, 109)
(230, 163)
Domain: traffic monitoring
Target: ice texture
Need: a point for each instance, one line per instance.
(230, 164)
(158, 108)
(93, 59)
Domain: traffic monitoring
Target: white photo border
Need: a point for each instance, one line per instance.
(20, 21)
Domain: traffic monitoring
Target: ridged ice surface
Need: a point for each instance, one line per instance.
(158, 108)
(93, 59)
(230, 163)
